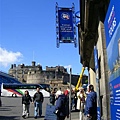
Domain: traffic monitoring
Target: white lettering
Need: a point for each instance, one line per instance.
(111, 14)
(113, 25)
(118, 110)
(117, 91)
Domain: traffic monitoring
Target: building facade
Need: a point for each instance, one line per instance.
(56, 76)
(99, 38)
(92, 36)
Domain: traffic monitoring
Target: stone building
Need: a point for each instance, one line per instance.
(92, 38)
(56, 76)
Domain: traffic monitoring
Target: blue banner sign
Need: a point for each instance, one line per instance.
(112, 19)
(115, 99)
(97, 82)
(66, 31)
(98, 113)
(96, 58)
(112, 32)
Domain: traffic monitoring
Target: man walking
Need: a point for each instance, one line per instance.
(91, 104)
(38, 100)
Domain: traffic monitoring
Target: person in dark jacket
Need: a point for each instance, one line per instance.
(62, 107)
(38, 100)
(52, 97)
(91, 104)
(26, 99)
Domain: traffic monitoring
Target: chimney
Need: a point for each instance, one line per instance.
(33, 63)
(14, 65)
(11, 66)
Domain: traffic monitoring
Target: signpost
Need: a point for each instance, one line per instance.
(65, 25)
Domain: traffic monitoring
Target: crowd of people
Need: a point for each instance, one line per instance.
(85, 102)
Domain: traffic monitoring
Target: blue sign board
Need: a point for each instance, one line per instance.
(112, 33)
(66, 29)
(115, 99)
(112, 19)
(96, 58)
(97, 82)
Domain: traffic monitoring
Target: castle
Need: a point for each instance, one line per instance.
(55, 76)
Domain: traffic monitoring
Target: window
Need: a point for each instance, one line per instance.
(27, 86)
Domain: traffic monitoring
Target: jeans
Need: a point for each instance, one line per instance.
(26, 110)
(81, 116)
(38, 106)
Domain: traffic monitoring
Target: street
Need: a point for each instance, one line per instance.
(12, 109)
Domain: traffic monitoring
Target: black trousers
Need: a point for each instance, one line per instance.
(60, 117)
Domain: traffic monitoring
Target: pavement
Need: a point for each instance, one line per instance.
(11, 109)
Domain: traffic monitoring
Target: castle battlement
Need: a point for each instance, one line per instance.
(35, 74)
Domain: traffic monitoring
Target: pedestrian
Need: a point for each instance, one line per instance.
(0, 99)
(59, 91)
(72, 99)
(62, 106)
(75, 101)
(26, 99)
(38, 100)
(0, 102)
(91, 104)
(66, 93)
(52, 97)
(74, 95)
(81, 102)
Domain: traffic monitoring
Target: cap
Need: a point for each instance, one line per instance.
(58, 92)
(81, 88)
(66, 92)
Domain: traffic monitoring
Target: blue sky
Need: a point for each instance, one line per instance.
(28, 32)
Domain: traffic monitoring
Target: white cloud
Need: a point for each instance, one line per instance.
(9, 57)
(68, 67)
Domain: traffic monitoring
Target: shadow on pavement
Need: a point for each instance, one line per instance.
(9, 118)
(38, 117)
(42, 116)
(9, 106)
(5, 109)
(75, 111)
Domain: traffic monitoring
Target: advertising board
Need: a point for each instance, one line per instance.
(112, 33)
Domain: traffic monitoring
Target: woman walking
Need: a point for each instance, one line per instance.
(26, 99)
